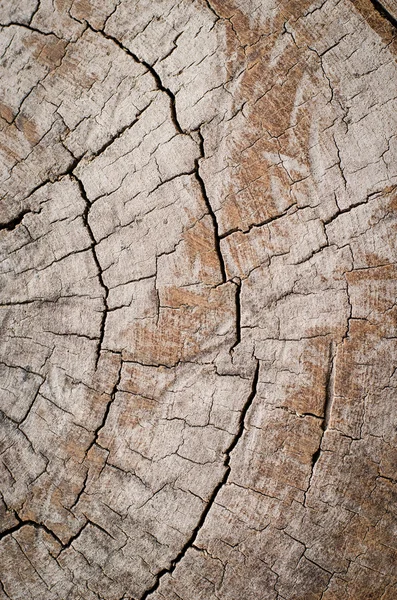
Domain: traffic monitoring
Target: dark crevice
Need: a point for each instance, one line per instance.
(174, 47)
(310, 414)
(151, 70)
(212, 9)
(74, 537)
(105, 414)
(340, 163)
(30, 28)
(2, 588)
(386, 478)
(329, 388)
(257, 225)
(117, 4)
(11, 225)
(79, 532)
(80, 492)
(237, 283)
(21, 523)
(327, 409)
(52, 180)
(350, 314)
(118, 134)
(32, 16)
(179, 129)
(350, 208)
(226, 462)
(155, 365)
(85, 216)
(217, 239)
(163, 182)
(17, 220)
(382, 10)
(162, 88)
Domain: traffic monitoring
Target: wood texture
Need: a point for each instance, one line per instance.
(198, 357)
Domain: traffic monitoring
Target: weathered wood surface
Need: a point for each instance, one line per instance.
(198, 300)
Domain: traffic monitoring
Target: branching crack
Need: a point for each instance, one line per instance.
(21, 523)
(350, 208)
(79, 532)
(96, 260)
(200, 524)
(151, 70)
(174, 117)
(169, 93)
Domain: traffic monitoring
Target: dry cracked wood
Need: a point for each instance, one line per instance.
(198, 300)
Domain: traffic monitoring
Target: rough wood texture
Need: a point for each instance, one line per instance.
(198, 300)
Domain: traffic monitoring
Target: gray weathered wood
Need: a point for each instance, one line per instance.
(198, 358)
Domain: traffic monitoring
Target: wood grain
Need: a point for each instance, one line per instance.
(198, 358)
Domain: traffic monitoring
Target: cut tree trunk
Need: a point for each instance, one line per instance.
(198, 300)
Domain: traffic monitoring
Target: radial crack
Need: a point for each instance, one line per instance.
(190, 542)
(105, 414)
(96, 260)
(328, 402)
(209, 208)
(237, 283)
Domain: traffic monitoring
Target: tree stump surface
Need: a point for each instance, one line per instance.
(198, 354)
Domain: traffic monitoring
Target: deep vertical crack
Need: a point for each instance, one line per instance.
(209, 207)
(161, 87)
(328, 402)
(164, 89)
(80, 492)
(340, 162)
(251, 396)
(329, 387)
(85, 216)
(237, 283)
(190, 542)
(350, 315)
(34, 11)
(106, 413)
